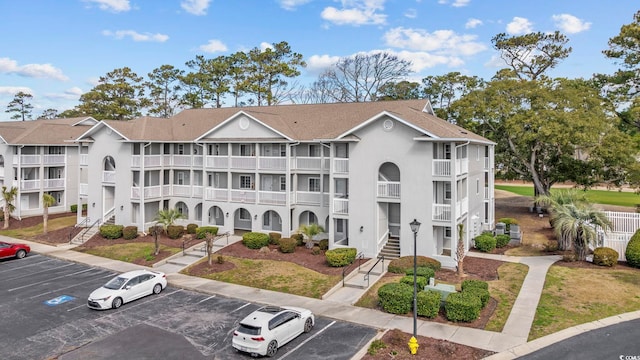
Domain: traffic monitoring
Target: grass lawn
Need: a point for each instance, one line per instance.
(129, 252)
(282, 276)
(30, 232)
(573, 296)
(611, 197)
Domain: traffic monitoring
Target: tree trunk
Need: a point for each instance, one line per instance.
(45, 218)
(460, 250)
(155, 240)
(6, 215)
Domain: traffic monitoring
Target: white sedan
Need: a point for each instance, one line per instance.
(127, 287)
(265, 330)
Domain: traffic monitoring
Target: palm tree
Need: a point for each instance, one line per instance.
(166, 217)
(8, 196)
(555, 202)
(310, 230)
(47, 200)
(578, 222)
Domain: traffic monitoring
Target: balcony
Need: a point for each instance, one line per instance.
(58, 159)
(341, 206)
(150, 192)
(53, 183)
(340, 166)
(272, 163)
(243, 196)
(181, 160)
(27, 160)
(308, 198)
(272, 197)
(442, 167)
(243, 162)
(389, 189)
(443, 212)
(26, 185)
(309, 163)
(216, 194)
(149, 161)
(109, 177)
(217, 162)
(181, 190)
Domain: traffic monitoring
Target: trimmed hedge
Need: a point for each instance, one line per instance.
(502, 240)
(130, 232)
(485, 242)
(340, 256)
(255, 240)
(202, 231)
(192, 228)
(423, 271)
(274, 238)
(480, 293)
(632, 253)
(323, 244)
(403, 264)
(111, 231)
(428, 303)
(507, 222)
(175, 231)
(421, 282)
(74, 207)
(462, 306)
(396, 298)
(605, 256)
(287, 245)
(299, 238)
(470, 283)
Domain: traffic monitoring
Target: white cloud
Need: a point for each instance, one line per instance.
(292, 4)
(265, 45)
(356, 13)
(570, 24)
(411, 13)
(519, 26)
(444, 42)
(455, 3)
(10, 66)
(73, 93)
(136, 36)
(472, 23)
(213, 46)
(112, 5)
(195, 7)
(318, 63)
(12, 90)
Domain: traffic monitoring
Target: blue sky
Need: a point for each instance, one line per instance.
(57, 49)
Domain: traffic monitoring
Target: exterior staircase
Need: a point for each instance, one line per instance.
(194, 253)
(369, 273)
(391, 249)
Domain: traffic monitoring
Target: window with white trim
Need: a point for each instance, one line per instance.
(245, 181)
(447, 191)
(447, 151)
(447, 232)
(266, 219)
(314, 184)
(180, 149)
(283, 183)
(244, 215)
(314, 150)
(283, 150)
(246, 150)
(180, 179)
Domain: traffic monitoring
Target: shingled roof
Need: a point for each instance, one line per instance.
(44, 132)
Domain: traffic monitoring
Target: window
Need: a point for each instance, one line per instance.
(180, 179)
(314, 150)
(246, 150)
(283, 150)
(447, 151)
(266, 219)
(283, 183)
(245, 181)
(314, 184)
(180, 149)
(244, 215)
(339, 226)
(447, 191)
(447, 232)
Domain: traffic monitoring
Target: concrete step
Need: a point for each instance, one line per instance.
(184, 260)
(169, 268)
(359, 282)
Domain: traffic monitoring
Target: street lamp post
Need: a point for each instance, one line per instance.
(413, 342)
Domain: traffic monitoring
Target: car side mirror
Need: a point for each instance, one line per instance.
(127, 287)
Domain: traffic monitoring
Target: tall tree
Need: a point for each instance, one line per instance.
(49, 114)
(443, 90)
(47, 201)
(21, 106)
(8, 195)
(402, 90)
(164, 90)
(359, 78)
(267, 70)
(237, 77)
(531, 55)
(119, 95)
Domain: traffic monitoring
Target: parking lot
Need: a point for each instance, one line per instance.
(45, 316)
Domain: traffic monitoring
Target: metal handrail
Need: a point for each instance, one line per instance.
(78, 225)
(366, 277)
(86, 230)
(359, 257)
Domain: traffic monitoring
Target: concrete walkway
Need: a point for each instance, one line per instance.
(509, 343)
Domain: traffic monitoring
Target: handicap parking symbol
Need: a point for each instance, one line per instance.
(59, 300)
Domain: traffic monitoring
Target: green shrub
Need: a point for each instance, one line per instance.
(632, 253)
(175, 231)
(323, 244)
(274, 238)
(462, 306)
(485, 242)
(480, 293)
(255, 240)
(130, 232)
(507, 222)
(74, 208)
(421, 282)
(202, 231)
(468, 284)
(423, 271)
(287, 245)
(502, 240)
(428, 303)
(316, 250)
(403, 264)
(340, 256)
(299, 238)
(111, 231)
(192, 228)
(605, 256)
(396, 298)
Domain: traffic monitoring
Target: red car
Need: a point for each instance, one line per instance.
(18, 251)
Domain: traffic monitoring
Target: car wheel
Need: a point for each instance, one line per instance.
(157, 289)
(308, 325)
(117, 302)
(21, 254)
(272, 349)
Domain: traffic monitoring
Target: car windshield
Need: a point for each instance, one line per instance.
(249, 330)
(115, 283)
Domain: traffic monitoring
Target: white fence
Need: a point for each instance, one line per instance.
(623, 226)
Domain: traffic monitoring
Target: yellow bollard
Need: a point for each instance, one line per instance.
(413, 345)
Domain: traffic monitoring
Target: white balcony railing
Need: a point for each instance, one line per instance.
(150, 192)
(389, 189)
(243, 162)
(166, 190)
(245, 196)
(462, 166)
(1, 172)
(109, 177)
(272, 197)
(306, 163)
(30, 184)
(84, 159)
(181, 160)
(272, 163)
(53, 183)
(216, 194)
(181, 190)
(30, 159)
(441, 167)
(50, 159)
(198, 160)
(217, 162)
(441, 212)
(341, 206)
(84, 189)
(197, 191)
(308, 198)
(341, 166)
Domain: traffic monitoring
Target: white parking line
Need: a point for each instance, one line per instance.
(306, 341)
(38, 272)
(47, 280)
(68, 287)
(201, 301)
(25, 266)
(241, 307)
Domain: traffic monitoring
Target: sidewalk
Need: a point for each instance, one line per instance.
(509, 344)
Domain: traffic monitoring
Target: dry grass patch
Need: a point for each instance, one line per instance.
(281, 276)
(133, 252)
(526, 250)
(370, 298)
(29, 232)
(573, 296)
(505, 290)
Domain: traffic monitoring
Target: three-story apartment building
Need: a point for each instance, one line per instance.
(363, 171)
